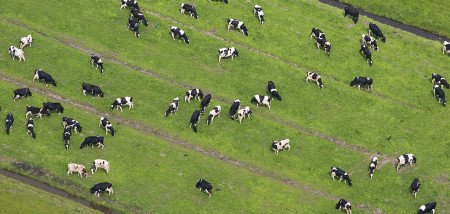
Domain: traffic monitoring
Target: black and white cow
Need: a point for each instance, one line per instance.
(242, 113)
(48, 106)
(16, 52)
(88, 88)
(283, 144)
(438, 79)
(180, 33)
(368, 40)
(93, 140)
(205, 186)
(100, 164)
(273, 90)
(98, 62)
(428, 207)
(415, 185)
(439, 93)
(104, 123)
(214, 112)
(24, 41)
(311, 76)
(353, 12)
(21, 92)
(373, 28)
(195, 93)
(227, 52)
(367, 54)
(132, 24)
(126, 101)
(129, 3)
(205, 102)
(190, 9)
(226, 1)
(67, 121)
(31, 110)
(194, 120)
(30, 127)
(66, 136)
(173, 107)
(41, 75)
(446, 48)
(325, 44)
(102, 187)
(262, 100)
(9, 122)
(11, 51)
(258, 11)
(341, 174)
(405, 159)
(136, 13)
(317, 33)
(234, 108)
(237, 24)
(362, 81)
(372, 166)
(345, 205)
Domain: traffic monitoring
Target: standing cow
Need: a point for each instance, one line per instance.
(66, 136)
(195, 93)
(242, 113)
(362, 81)
(283, 144)
(311, 76)
(173, 107)
(446, 48)
(325, 44)
(73, 167)
(205, 102)
(104, 123)
(438, 79)
(367, 54)
(105, 186)
(261, 100)
(129, 3)
(317, 33)
(9, 122)
(204, 185)
(30, 127)
(228, 52)
(16, 52)
(119, 102)
(238, 24)
(67, 121)
(344, 204)
(194, 120)
(428, 207)
(341, 174)
(132, 24)
(234, 108)
(214, 112)
(415, 185)
(368, 40)
(405, 159)
(352, 12)
(179, 33)
(190, 9)
(372, 166)
(24, 41)
(39, 74)
(373, 28)
(271, 88)
(100, 164)
(88, 88)
(22, 92)
(258, 11)
(439, 93)
(98, 62)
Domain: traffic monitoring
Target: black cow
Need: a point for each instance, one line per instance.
(21, 92)
(205, 102)
(368, 40)
(373, 28)
(317, 33)
(415, 186)
(258, 11)
(439, 93)
(438, 79)
(273, 90)
(67, 121)
(180, 33)
(104, 123)
(67, 135)
(238, 24)
(123, 101)
(31, 110)
(129, 3)
(173, 107)
(445, 49)
(53, 107)
(92, 89)
(194, 120)
(98, 62)
(93, 140)
(362, 81)
(366, 51)
(226, 1)
(135, 13)
(195, 93)
(372, 166)
(344, 204)
(9, 122)
(204, 185)
(132, 24)
(341, 174)
(428, 207)
(30, 127)
(105, 186)
(325, 44)
(190, 9)
(353, 12)
(234, 108)
(41, 75)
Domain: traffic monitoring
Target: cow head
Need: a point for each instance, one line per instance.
(355, 81)
(200, 95)
(66, 145)
(114, 104)
(93, 168)
(83, 145)
(414, 158)
(78, 126)
(185, 38)
(244, 29)
(384, 38)
(327, 46)
(53, 82)
(111, 129)
(235, 53)
(199, 183)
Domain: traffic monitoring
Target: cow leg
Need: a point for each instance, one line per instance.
(359, 87)
(182, 11)
(340, 179)
(228, 26)
(208, 193)
(219, 58)
(317, 45)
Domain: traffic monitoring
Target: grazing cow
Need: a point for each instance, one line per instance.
(362, 81)
(262, 100)
(105, 186)
(214, 112)
(180, 33)
(238, 24)
(104, 123)
(353, 12)
(99, 163)
(73, 167)
(30, 127)
(53, 107)
(226, 1)
(67, 121)
(190, 9)
(366, 51)
(311, 76)
(16, 52)
(31, 110)
(372, 166)
(92, 89)
(98, 62)
(194, 120)
(341, 174)
(325, 44)
(93, 140)
(9, 122)
(273, 90)
(129, 3)
(428, 207)
(373, 28)
(127, 101)
(173, 107)
(258, 11)
(438, 79)
(245, 112)
(227, 52)
(41, 75)
(195, 93)
(445, 49)
(317, 33)
(234, 108)
(135, 13)
(132, 24)
(283, 144)
(11, 51)
(345, 205)
(205, 102)
(439, 93)
(204, 185)
(21, 92)
(26, 41)
(405, 159)
(368, 40)
(67, 135)
(415, 186)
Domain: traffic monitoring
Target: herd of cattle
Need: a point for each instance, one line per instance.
(68, 123)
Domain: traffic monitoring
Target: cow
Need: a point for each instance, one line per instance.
(205, 102)
(214, 112)
(311, 76)
(39, 74)
(273, 90)
(325, 44)
(129, 3)
(173, 107)
(132, 24)
(31, 110)
(102, 164)
(104, 123)
(12, 51)
(373, 28)
(446, 48)
(135, 13)
(9, 122)
(438, 79)
(372, 166)
(234, 108)
(194, 120)
(127, 101)
(21, 92)
(237, 24)
(226, 1)
(258, 11)
(98, 62)
(88, 88)
(428, 207)
(353, 12)
(66, 136)
(105, 186)
(48, 106)
(227, 52)
(368, 40)
(73, 167)
(405, 159)
(67, 121)
(366, 51)
(341, 174)
(262, 100)
(180, 33)
(93, 140)
(415, 187)
(242, 113)
(204, 185)
(26, 41)
(190, 9)
(16, 52)
(317, 33)
(345, 205)
(283, 144)
(30, 127)
(362, 81)
(195, 93)
(439, 93)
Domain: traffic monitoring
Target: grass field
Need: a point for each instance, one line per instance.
(337, 126)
